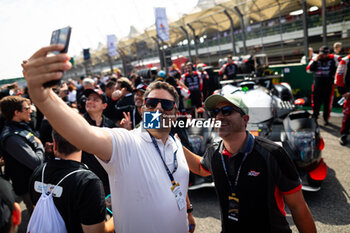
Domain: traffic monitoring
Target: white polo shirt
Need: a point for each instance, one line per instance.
(142, 199)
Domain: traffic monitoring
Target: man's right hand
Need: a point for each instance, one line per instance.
(40, 68)
(316, 58)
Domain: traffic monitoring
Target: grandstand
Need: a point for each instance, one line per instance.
(274, 27)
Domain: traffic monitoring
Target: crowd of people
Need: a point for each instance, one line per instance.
(87, 137)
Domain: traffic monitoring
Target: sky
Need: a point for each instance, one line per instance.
(26, 25)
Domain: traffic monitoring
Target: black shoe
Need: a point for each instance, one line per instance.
(343, 140)
(326, 122)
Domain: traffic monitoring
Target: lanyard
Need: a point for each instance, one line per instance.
(133, 117)
(170, 174)
(233, 188)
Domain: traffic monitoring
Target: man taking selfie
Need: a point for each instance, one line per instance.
(147, 169)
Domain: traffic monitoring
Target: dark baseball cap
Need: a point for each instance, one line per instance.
(323, 50)
(98, 92)
(7, 200)
(141, 87)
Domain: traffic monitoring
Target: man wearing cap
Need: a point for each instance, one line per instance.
(252, 175)
(324, 67)
(10, 211)
(96, 102)
(229, 70)
(161, 75)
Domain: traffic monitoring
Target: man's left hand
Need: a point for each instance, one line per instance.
(191, 223)
(126, 121)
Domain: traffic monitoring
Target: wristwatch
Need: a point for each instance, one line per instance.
(189, 210)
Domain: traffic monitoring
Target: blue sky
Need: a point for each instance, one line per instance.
(26, 25)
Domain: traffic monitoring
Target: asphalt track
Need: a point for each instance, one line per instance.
(330, 206)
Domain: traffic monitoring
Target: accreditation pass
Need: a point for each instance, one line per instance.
(179, 197)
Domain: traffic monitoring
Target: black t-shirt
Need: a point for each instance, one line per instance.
(192, 81)
(106, 122)
(194, 85)
(110, 110)
(324, 70)
(4, 93)
(82, 200)
(230, 71)
(91, 161)
(257, 184)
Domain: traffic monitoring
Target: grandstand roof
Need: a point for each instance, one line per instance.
(205, 20)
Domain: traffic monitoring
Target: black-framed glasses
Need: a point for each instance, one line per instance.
(226, 111)
(167, 105)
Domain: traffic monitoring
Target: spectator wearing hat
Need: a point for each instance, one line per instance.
(229, 70)
(252, 175)
(323, 66)
(161, 75)
(10, 211)
(96, 103)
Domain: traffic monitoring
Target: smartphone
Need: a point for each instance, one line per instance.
(59, 36)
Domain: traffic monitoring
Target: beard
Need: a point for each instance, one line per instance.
(229, 128)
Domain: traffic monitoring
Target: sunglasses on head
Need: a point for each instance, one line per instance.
(167, 105)
(226, 111)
